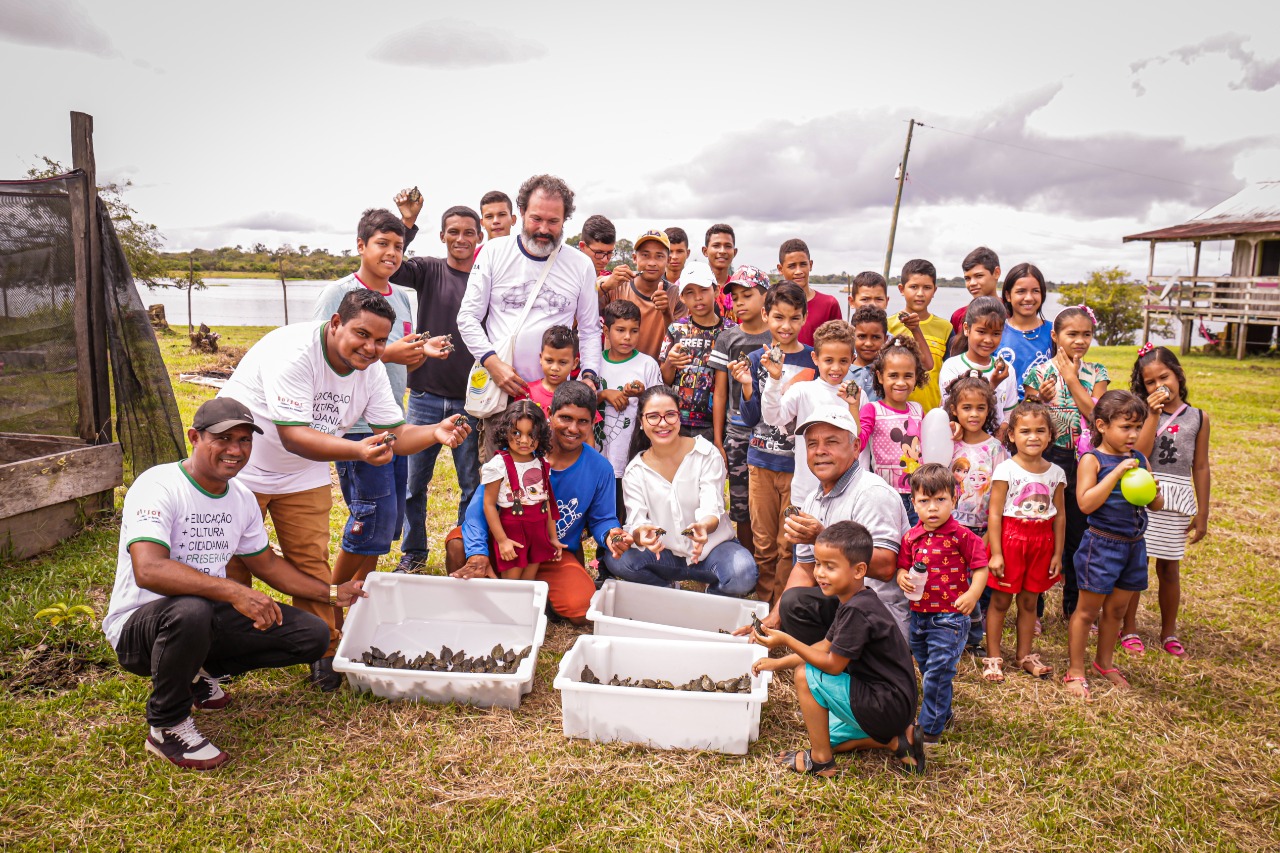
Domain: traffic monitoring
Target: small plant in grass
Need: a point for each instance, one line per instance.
(61, 612)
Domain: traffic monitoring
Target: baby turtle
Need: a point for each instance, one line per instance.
(791, 510)
(496, 651)
(615, 681)
(852, 389)
(617, 538)
(708, 686)
(463, 665)
(776, 355)
(414, 195)
(458, 658)
(688, 531)
(903, 316)
(588, 677)
(648, 683)
(634, 388)
(1164, 389)
(757, 625)
(666, 685)
(659, 532)
(446, 654)
(723, 631)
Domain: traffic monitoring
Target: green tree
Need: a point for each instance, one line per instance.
(1117, 302)
(140, 239)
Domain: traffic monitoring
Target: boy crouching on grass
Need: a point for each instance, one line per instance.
(856, 688)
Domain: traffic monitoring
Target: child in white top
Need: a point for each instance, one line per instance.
(518, 503)
(983, 326)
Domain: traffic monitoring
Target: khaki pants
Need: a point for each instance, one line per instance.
(301, 520)
(769, 494)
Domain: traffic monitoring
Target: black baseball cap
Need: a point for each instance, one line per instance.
(221, 414)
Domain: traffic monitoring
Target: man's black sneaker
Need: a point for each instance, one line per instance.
(412, 563)
(184, 746)
(323, 677)
(207, 693)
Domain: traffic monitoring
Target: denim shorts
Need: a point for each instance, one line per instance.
(1105, 563)
(375, 496)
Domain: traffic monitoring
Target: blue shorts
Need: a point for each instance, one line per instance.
(1104, 564)
(832, 693)
(375, 496)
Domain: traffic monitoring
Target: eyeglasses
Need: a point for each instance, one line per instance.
(655, 418)
(600, 255)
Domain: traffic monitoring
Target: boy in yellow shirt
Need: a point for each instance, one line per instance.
(918, 284)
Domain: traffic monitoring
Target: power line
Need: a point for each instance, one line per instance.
(1075, 159)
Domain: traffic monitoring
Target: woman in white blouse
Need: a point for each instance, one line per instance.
(674, 491)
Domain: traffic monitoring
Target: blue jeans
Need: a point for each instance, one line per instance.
(937, 641)
(728, 570)
(375, 501)
(425, 408)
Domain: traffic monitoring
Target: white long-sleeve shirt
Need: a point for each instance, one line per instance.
(502, 278)
(785, 410)
(696, 492)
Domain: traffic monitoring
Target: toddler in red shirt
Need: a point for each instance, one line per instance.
(954, 563)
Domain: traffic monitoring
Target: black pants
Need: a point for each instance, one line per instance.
(807, 614)
(1076, 524)
(171, 639)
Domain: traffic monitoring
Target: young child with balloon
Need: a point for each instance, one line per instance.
(1114, 487)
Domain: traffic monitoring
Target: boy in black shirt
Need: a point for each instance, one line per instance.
(857, 688)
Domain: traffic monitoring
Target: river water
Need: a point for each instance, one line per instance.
(260, 302)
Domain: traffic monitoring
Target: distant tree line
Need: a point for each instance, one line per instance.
(301, 262)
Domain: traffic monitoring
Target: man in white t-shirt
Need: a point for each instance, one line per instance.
(174, 616)
(307, 384)
(503, 279)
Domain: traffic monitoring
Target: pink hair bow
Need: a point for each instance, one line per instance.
(1145, 348)
(1086, 309)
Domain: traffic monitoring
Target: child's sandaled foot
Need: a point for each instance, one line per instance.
(1078, 686)
(910, 751)
(1133, 644)
(1113, 675)
(1173, 647)
(992, 670)
(1033, 666)
(801, 761)
(1038, 629)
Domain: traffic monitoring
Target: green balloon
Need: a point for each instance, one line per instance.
(1138, 486)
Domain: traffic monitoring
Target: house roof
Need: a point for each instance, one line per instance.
(1253, 210)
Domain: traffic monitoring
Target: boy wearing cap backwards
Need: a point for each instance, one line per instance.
(686, 351)
(174, 616)
(658, 300)
(747, 288)
(795, 265)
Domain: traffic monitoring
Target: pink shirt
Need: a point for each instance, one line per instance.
(951, 552)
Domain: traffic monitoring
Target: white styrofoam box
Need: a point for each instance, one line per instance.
(664, 719)
(417, 613)
(625, 609)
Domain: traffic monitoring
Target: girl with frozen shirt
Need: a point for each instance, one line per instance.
(1027, 339)
(890, 427)
(832, 354)
(984, 323)
(970, 403)
(674, 488)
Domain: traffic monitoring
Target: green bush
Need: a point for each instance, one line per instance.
(1116, 301)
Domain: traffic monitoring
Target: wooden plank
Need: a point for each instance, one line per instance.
(88, 428)
(1240, 341)
(1186, 336)
(35, 532)
(15, 447)
(48, 480)
(82, 158)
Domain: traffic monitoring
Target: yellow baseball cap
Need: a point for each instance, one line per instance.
(652, 234)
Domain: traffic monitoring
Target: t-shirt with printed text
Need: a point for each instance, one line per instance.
(614, 431)
(734, 344)
(694, 383)
(771, 447)
(894, 438)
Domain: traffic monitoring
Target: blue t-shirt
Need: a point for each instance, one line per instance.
(584, 494)
(1117, 516)
(771, 447)
(1024, 350)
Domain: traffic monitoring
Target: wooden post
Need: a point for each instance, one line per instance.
(1187, 322)
(897, 202)
(191, 280)
(1240, 340)
(96, 357)
(285, 290)
(1146, 312)
(79, 191)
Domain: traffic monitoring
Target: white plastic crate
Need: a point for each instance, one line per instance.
(663, 719)
(624, 609)
(417, 613)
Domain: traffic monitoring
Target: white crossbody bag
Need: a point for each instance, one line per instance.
(484, 396)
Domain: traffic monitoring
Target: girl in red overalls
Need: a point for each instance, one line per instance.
(518, 503)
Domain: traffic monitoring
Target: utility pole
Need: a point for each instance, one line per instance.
(285, 290)
(897, 202)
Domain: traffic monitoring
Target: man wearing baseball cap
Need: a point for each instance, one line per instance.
(846, 492)
(647, 288)
(174, 616)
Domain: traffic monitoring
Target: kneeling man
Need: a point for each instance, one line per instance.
(175, 617)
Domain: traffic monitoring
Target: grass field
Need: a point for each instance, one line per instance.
(1188, 760)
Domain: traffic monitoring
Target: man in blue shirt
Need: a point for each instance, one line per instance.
(583, 483)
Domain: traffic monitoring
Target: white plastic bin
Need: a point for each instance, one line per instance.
(625, 609)
(663, 719)
(417, 613)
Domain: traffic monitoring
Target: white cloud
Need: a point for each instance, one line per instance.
(58, 24)
(455, 44)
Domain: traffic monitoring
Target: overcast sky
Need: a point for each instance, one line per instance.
(280, 122)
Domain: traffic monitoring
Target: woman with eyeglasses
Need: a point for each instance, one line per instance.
(674, 490)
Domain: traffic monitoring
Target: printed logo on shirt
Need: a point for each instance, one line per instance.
(569, 516)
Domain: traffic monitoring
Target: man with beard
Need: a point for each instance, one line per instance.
(438, 391)
(504, 277)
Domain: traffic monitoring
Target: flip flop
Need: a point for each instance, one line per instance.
(825, 769)
(911, 748)
(1133, 644)
(1077, 685)
(1174, 647)
(1119, 681)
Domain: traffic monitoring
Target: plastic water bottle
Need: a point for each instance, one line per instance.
(918, 575)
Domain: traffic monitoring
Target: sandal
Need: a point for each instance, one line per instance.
(1133, 644)
(1038, 630)
(1173, 647)
(1113, 675)
(825, 769)
(992, 670)
(1036, 668)
(910, 751)
(1078, 686)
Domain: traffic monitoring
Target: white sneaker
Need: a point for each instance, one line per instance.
(207, 693)
(184, 746)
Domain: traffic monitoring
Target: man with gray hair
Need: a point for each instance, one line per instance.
(504, 278)
(845, 492)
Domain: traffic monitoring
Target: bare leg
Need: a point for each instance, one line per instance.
(348, 566)
(455, 555)
(995, 621)
(1169, 574)
(1131, 614)
(527, 573)
(1113, 609)
(1087, 608)
(816, 719)
(1026, 622)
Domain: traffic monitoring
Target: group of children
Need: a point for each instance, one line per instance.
(1040, 443)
